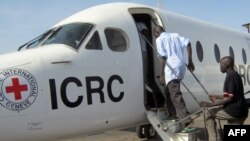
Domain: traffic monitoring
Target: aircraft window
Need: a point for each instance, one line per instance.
(231, 52)
(217, 53)
(199, 51)
(116, 39)
(71, 34)
(244, 56)
(35, 42)
(94, 42)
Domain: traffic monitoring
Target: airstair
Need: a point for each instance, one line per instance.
(171, 130)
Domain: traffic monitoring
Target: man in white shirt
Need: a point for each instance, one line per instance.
(170, 47)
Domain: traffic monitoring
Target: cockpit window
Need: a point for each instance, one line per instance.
(38, 40)
(95, 42)
(71, 34)
(35, 42)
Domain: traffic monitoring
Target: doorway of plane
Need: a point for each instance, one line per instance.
(145, 20)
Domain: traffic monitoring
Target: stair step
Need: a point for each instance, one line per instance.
(170, 130)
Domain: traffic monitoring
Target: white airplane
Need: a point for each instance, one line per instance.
(85, 74)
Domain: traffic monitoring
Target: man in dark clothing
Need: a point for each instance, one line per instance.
(231, 105)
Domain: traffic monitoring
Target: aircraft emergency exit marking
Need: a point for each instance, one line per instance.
(16, 88)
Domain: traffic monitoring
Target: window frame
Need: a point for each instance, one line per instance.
(95, 31)
(199, 49)
(124, 35)
(217, 53)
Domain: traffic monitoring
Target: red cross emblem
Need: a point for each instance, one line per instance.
(16, 88)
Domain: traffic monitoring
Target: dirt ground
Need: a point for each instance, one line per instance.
(130, 133)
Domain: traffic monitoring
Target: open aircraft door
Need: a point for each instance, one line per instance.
(153, 89)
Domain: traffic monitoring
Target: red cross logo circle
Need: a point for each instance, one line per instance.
(18, 89)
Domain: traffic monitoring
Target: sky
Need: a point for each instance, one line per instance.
(23, 20)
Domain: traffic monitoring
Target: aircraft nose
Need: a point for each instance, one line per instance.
(25, 60)
(16, 59)
(19, 80)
